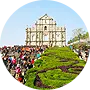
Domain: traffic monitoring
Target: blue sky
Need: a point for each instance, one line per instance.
(14, 30)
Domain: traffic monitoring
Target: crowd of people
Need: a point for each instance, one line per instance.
(18, 59)
(83, 53)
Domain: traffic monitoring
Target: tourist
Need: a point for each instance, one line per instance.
(86, 54)
(89, 54)
(25, 64)
(38, 55)
(21, 78)
(32, 61)
(29, 65)
(9, 65)
(21, 55)
(4, 58)
(18, 70)
(10, 58)
(41, 50)
(80, 54)
(14, 62)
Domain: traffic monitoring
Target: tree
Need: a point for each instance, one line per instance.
(78, 33)
(87, 35)
(70, 41)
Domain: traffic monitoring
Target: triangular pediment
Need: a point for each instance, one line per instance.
(45, 17)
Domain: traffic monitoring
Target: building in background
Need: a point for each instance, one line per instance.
(46, 32)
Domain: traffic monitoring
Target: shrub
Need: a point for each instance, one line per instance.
(53, 58)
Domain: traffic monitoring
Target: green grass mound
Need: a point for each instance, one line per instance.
(57, 67)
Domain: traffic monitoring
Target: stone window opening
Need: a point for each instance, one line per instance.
(45, 28)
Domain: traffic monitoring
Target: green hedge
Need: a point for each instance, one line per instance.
(53, 57)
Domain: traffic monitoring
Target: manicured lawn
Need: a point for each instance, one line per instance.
(57, 67)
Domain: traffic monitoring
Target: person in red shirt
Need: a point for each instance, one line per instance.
(21, 55)
(32, 61)
(20, 78)
(14, 62)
